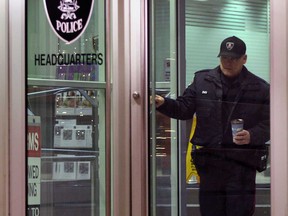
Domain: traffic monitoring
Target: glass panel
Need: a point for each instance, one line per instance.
(65, 136)
(49, 57)
(164, 137)
(66, 97)
(204, 32)
(248, 20)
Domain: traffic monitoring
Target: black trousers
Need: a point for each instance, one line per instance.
(227, 188)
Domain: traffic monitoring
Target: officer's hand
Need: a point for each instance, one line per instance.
(242, 137)
(159, 100)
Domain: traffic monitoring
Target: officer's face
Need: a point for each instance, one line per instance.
(232, 66)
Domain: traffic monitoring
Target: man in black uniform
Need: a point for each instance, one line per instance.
(225, 164)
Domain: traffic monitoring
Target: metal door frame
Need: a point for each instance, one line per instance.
(279, 107)
(17, 112)
(4, 108)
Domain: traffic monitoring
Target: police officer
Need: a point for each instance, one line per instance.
(225, 163)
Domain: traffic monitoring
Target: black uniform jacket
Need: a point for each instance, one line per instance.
(204, 97)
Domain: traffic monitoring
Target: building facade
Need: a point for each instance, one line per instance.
(76, 81)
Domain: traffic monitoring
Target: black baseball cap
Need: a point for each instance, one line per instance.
(232, 47)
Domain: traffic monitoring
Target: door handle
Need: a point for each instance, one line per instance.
(136, 95)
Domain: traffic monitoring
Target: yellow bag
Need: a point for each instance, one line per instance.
(191, 172)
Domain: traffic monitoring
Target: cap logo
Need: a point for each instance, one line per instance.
(229, 45)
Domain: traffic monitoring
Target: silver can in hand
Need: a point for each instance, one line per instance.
(236, 126)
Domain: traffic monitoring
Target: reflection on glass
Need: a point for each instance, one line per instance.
(69, 156)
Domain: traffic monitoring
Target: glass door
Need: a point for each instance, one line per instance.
(184, 37)
(164, 163)
(66, 102)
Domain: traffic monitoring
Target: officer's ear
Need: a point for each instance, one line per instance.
(244, 59)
